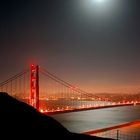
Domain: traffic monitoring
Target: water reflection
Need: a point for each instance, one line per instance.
(97, 119)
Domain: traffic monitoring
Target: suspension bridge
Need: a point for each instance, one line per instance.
(49, 93)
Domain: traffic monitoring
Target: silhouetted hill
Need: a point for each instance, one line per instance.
(19, 120)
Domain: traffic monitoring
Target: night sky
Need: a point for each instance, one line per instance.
(93, 45)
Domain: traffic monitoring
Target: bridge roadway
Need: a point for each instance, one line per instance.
(90, 108)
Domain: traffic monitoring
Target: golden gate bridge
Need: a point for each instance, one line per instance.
(49, 93)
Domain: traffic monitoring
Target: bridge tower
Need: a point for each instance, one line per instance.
(34, 86)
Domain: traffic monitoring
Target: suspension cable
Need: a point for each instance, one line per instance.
(62, 82)
(14, 77)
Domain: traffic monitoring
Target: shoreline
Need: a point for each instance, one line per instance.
(123, 125)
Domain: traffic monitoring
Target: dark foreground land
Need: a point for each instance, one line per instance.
(18, 120)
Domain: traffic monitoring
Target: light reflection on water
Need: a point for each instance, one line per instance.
(96, 119)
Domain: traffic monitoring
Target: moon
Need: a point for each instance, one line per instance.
(99, 8)
(99, 1)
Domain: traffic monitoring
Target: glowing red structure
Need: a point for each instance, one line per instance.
(34, 86)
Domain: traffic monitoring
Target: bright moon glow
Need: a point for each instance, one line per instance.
(99, 1)
(99, 8)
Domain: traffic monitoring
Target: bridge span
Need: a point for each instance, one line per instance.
(50, 94)
(86, 109)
